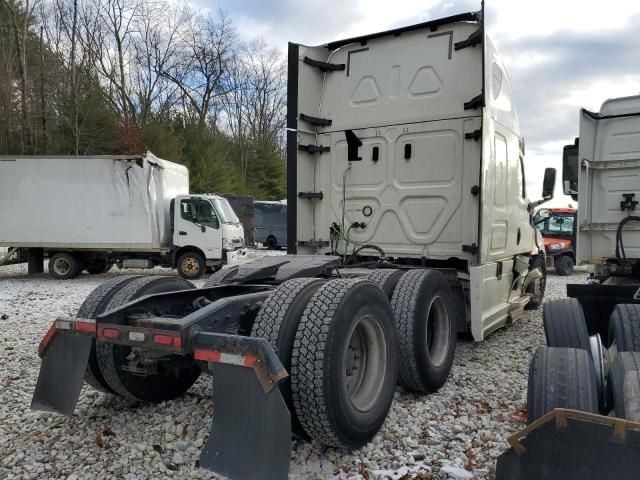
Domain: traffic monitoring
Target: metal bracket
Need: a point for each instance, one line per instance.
(474, 39)
(475, 102)
(320, 122)
(472, 249)
(324, 66)
(311, 195)
(628, 203)
(313, 149)
(475, 135)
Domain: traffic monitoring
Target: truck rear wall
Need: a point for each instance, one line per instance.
(107, 202)
(609, 155)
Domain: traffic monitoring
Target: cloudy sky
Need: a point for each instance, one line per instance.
(560, 54)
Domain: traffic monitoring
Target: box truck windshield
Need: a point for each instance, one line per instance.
(227, 215)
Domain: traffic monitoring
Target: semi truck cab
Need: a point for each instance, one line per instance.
(558, 229)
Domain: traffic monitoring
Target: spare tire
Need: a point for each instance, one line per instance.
(565, 324)
(624, 378)
(277, 322)
(624, 327)
(172, 379)
(561, 378)
(343, 363)
(95, 304)
(426, 326)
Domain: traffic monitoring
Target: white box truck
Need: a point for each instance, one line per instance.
(88, 213)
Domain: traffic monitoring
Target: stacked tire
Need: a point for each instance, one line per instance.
(574, 371)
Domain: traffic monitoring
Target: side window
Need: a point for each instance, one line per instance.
(199, 211)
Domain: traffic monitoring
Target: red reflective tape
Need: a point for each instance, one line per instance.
(163, 339)
(85, 327)
(207, 355)
(177, 342)
(110, 333)
(249, 361)
(44, 343)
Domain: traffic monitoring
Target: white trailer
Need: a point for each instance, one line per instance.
(91, 212)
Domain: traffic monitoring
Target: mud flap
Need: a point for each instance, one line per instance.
(571, 445)
(64, 362)
(250, 436)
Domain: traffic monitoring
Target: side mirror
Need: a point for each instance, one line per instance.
(549, 183)
(548, 186)
(570, 169)
(544, 213)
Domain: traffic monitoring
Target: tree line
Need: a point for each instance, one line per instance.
(89, 77)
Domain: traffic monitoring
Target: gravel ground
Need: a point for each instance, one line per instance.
(455, 433)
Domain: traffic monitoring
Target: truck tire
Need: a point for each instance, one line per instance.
(97, 267)
(386, 279)
(96, 303)
(278, 321)
(624, 327)
(272, 243)
(624, 378)
(561, 378)
(224, 275)
(168, 383)
(564, 324)
(563, 265)
(426, 326)
(64, 266)
(537, 297)
(343, 363)
(191, 265)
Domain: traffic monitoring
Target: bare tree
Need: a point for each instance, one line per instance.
(207, 46)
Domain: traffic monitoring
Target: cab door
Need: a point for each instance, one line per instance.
(197, 224)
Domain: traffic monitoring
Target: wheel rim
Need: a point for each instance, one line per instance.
(62, 266)
(190, 266)
(365, 363)
(438, 330)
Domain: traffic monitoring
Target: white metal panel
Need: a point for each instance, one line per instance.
(87, 202)
(609, 153)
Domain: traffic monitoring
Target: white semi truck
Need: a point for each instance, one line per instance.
(583, 398)
(408, 222)
(90, 212)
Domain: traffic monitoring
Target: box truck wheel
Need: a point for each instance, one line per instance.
(564, 324)
(425, 321)
(563, 265)
(96, 303)
(64, 266)
(278, 320)
(386, 279)
(191, 265)
(561, 378)
(624, 378)
(624, 327)
(343, 363)
(98, 266)
(173, 376)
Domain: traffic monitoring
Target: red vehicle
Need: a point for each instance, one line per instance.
(558, 228)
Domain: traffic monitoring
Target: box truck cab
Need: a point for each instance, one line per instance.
(205, 230)
(91, 212)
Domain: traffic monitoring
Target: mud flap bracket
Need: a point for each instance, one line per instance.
(250, 434)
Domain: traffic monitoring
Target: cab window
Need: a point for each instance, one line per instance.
(199, 211)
